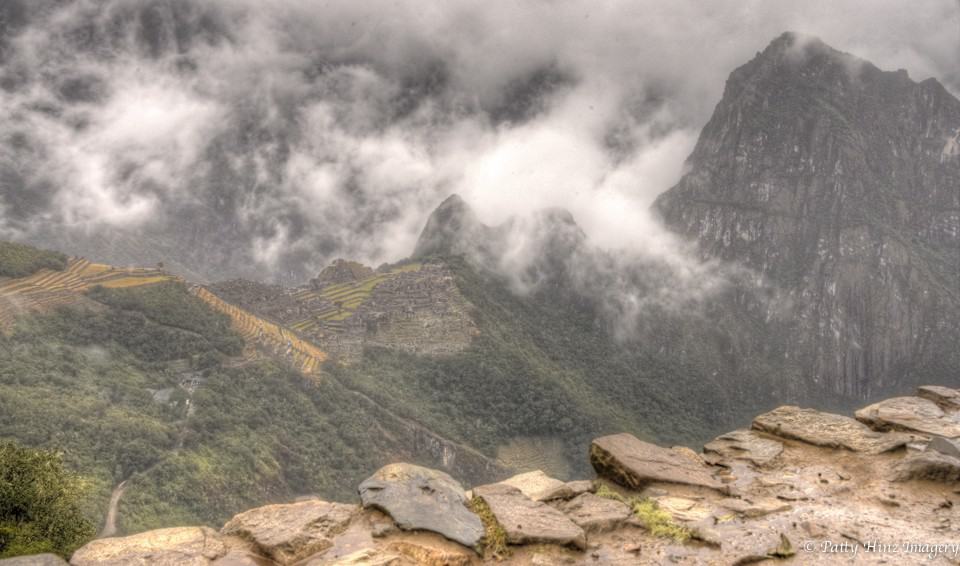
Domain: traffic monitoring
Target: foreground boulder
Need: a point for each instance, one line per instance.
(419, 498)
(948, 446)
(181, 546)
(634, 463)
(827, 430)
(927, 465)
(289, 533)
(944, 396)
(913, 414)
(529, 522)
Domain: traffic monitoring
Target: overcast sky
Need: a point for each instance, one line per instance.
(332, 128)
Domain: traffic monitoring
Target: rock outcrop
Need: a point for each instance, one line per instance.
(636, 463)
(825, 429)
(525, 521)
(422, 499)
(802, 487)
(838, 183)
(912, 414)
(165, 547)
(289, 533)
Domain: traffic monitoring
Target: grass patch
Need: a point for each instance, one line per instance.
(660, 523)
(494, 543)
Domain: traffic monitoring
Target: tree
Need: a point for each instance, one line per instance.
(39, 504)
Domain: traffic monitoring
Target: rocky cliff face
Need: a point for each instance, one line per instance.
(800, 486)
(840, 184)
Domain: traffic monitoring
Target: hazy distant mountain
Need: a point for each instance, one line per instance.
(840, 184)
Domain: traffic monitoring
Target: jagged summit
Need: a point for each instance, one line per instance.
(840, 183)
(453, 228)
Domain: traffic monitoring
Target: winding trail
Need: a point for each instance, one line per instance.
(110, 524)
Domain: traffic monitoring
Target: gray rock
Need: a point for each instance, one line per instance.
(34, 560)
(742, 445)
(750, 545)
(569, 490)
(944, 396)
(950, 447)
(529, 522)
(419, 498)
(292, 532)
(634, 463)
(910, 414)
(927, 465)
(827, 429)
(594, 513)
(179, 546)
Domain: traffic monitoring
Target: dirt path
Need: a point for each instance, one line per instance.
(110, 524)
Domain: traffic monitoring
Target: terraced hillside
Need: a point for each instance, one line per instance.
(342, 300)
(263, 335)
(49, 288)
(414, 307)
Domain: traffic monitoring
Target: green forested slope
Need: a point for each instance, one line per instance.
(81, 381)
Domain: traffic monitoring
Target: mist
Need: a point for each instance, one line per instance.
(238, 137)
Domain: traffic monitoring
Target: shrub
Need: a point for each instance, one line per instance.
(39, 504)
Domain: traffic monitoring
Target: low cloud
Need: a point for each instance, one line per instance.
(264, 139)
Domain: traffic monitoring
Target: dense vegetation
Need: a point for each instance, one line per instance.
(112, 388)
(39, 504)
(139, 385)
(19, 260)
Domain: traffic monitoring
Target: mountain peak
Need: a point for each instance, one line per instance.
(451, 228)
(832, 177)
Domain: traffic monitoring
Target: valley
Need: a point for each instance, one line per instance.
(830, 234)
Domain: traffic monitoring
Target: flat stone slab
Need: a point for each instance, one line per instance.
(526, 521)
(292, 532)
(569, 490)
(827, 430)
(927, 465)
(943, 396)
(914, 414)
(748, 544)
(595, 514)
(742, 444)
(634, 463)
(535, 485)
(419, 498)
(179, 546)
